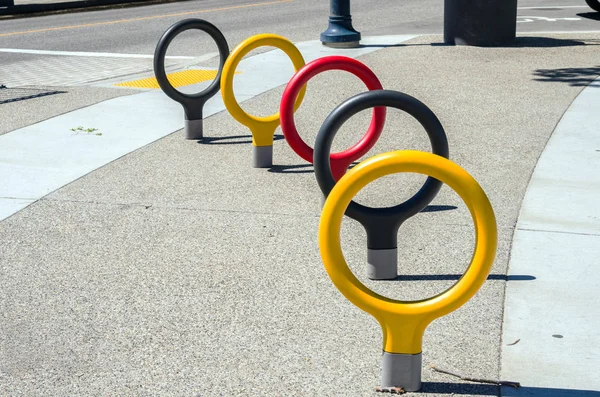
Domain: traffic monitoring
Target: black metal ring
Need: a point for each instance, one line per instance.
(381, 224)
(192, 103)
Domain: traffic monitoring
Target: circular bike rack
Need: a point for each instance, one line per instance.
(193, 104)
(381, 224)
(403, 323)
(342, 160)
(262, 128)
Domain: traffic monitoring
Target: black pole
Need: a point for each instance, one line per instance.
(340, 33)
(7, 3)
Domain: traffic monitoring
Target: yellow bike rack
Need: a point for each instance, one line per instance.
(262, 128)
(404, 323)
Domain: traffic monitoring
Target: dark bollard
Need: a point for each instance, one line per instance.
(480, 22)
(594, 4)
(340, 33)
(192, 103)
(381, 224)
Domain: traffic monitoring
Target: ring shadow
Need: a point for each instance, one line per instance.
(296, 168)
(447, 277)
(590, 15)
(232, 140)
(494, 390)
(291, 169)
(438, 208)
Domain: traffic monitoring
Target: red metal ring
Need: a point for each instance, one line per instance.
(342, 160)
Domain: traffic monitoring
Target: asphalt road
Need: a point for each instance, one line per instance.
(137, 30)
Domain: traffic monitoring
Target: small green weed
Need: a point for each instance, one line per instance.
(89, 131)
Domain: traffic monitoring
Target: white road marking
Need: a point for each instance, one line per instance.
(546, 7)
(90, 54)
(532, 19)
(561, 32)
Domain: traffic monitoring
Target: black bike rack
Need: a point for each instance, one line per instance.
(381, 224)
(193, 104)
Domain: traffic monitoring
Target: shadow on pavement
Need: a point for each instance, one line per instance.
(544, 42)
(519, 42)
(8, 95)
(291, 169)
(493, 390)
(383, 45)
(406, 45)
(575, 77)
(438, 208)
(460, 389)
(446, 277)
(590, 15)
(297, 168)
(232, 140)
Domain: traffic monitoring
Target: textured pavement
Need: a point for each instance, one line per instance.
(179, 270)
(65, 99)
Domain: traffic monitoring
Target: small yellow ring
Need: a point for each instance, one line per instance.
(403, 322)
(255, 123)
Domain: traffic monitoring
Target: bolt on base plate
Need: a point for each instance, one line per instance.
(262, 156)
(382, 264)
(193, 129)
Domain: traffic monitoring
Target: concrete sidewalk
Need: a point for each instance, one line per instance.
(179, 270)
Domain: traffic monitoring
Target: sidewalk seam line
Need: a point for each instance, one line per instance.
(148, 206)
(559, 232)
(18, 198)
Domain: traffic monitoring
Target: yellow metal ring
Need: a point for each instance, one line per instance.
(404, 323)
(262, 128)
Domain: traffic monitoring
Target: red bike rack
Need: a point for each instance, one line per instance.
(342, 160)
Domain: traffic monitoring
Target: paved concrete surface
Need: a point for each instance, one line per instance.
(179, 270)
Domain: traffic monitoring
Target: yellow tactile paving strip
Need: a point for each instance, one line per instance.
(177, 79)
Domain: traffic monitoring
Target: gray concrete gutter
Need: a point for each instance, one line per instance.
(552, 323)
(44, 7)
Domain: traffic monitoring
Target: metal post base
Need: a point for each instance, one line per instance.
(340, 33)
(262, 156)
(401, 370)
(193, 129)
(382, 264)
